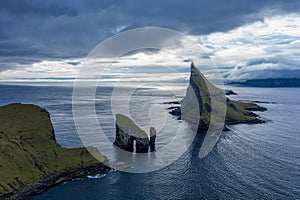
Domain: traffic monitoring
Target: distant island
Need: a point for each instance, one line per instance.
(270, 82)
(236, 111)
(31, 160)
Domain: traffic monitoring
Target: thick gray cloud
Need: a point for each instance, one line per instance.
(264, 68)
(66, 29)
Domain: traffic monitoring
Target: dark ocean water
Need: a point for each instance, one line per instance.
(249, 162)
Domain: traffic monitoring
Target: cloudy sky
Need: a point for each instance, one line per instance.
(245, 39)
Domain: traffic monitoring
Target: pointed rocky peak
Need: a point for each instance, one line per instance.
(192, 65)
(199, 95)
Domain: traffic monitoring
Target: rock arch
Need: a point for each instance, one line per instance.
(127, 132)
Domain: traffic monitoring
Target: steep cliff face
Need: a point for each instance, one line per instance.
(196, 106)
(123, 140)
(31, 160)
(152, 138)
(127, 132)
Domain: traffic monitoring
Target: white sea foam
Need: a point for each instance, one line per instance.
(97, 176)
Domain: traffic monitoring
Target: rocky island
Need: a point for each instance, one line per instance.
(31, 160)
(269, 82)
(202, 89)
(127, 132)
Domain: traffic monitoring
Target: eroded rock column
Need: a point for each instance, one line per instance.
(152, 139)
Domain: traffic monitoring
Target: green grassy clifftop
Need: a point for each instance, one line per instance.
(129, 126)
(30, 158)
(196, 106)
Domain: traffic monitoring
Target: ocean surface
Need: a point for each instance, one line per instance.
(251, 161)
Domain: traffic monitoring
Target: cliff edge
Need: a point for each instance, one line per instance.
(196, 106)
(31, 160)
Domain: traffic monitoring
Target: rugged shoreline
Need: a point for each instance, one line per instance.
(31, 161)
(48, 181)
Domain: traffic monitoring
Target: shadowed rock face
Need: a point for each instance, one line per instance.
(196, 106)
(196, 101)
(123, 140)
(142, 145)
(152, 138)
(127, 132)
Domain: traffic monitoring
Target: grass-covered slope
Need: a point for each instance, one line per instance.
(201, 92)
(29, 152)
(241, 112)
(130, 127)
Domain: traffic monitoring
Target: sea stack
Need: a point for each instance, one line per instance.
(152, 138)
(196, 106)
(127, 132)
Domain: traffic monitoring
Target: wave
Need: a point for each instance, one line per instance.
(97, 176)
